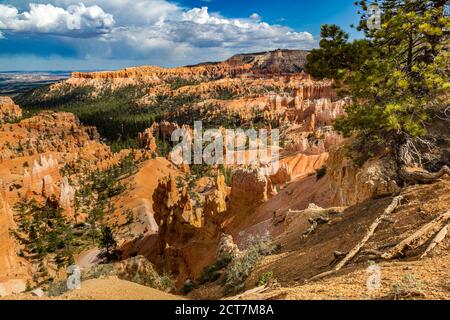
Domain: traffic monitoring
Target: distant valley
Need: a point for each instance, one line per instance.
(16, 82)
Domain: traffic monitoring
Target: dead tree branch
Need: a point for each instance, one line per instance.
(422, 177)
(395, 203)
(438, 239)
(418, 238)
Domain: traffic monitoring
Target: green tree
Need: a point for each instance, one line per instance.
(336, 55)
(398, 81)
(107, 240)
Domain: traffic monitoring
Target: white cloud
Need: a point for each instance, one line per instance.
(255, 16)
(151, 29)
(75, 21)
(199, 28)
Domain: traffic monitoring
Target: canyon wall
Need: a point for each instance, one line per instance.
(267, 63)
(9, 111)
(353, 184)
(13, 270)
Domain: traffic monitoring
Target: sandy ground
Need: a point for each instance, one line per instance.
(432, 276)
(107, 289)
(88, 258)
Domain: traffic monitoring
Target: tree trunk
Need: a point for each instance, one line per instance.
(422, 177)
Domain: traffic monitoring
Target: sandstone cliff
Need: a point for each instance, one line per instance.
(13, 270)
(9, 111)
(276, 62)
(353, 184)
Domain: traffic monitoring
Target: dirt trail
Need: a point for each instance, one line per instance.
(88, 258)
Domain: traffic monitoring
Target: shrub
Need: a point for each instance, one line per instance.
(408, 288)
(238, 272)
(227, 173)
(211, 273)
(320, 173)
(57, 288)
(264, 278)
(188, 286)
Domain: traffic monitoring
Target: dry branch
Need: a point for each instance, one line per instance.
(438, 239)
(316, 211)
(319, 216)
(395, 203)
(422, 176)
(419, 237)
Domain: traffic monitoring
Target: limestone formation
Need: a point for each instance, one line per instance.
(216, 200)
(284, 175)
(66, 197)
(353, 184)
(227, 247)
(42, 177)
(146, 140)
(9, 111)
(13, 270)
(174, 214)
(250, 188)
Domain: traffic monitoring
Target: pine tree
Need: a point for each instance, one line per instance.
(107, 240)
(396, 87)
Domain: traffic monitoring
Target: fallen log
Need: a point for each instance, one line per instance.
(317, 211)
(318, 216)
(395, 203)
(419, 237)
(438, 239)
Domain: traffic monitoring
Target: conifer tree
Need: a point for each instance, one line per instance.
(400, 80)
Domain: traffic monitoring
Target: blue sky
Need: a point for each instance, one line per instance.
(112, 34)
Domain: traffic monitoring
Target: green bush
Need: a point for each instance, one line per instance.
(188, 286)
(240, 269)
(211, 273)
(320, 173)
(264, 278)
(408, 288)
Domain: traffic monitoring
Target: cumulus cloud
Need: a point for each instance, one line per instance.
(140, 29)
(75, 21)
(198, 28)
(255, 16)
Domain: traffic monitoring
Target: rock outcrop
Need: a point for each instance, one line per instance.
(183, 247)
(227, 247)
(354, 184)
(146, 140)
(216, 200)
(9, 111)
(250, 188)
(174, 213)
(13, 270)
(50, 132)
(66, 197)
(266, 63)
(42, 177)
